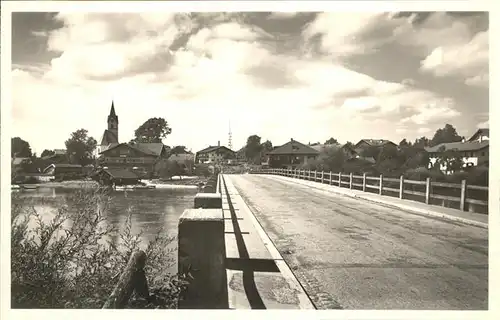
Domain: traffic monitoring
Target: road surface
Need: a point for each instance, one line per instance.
(352, 254)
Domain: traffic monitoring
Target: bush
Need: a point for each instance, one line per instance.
(68, 261)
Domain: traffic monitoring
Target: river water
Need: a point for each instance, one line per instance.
(151, 210)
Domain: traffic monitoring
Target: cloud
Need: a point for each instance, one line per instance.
(484, 124)
(343, 34)
(282, 15)
(199, 75)
(469, 60)
(449, 45)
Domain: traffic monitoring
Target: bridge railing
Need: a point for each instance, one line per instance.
(428, 191)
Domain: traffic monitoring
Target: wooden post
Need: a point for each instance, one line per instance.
(315, 175)
(350, 180)
(322, 177)
(427, 190)
(381, 185)
(364, 181)
(401, 186)
(331, 178)
(340, 179)
(132, 278)
(463, 195)
(309, 175)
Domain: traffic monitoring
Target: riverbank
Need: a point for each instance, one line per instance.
(177, 181)
(70, 184)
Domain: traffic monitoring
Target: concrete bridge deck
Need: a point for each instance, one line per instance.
(351, 253)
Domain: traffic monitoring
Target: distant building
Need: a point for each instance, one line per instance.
(215, 155)
(137, 156)
(117, 176)
(64, 171)
(184, 160)
(59, 156)
(474, 152)
(110, 135)
(291, 155)
(367, 143)
(140, 157)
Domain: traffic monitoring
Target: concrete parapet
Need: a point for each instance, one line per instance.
(202, 254)
(208, 201)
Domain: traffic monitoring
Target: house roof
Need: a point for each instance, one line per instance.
(459, 146)
(294, 147)
(482, 131)
(120, 173)
(213, 148)
(108, 137)
(375, 142)
(153, 149)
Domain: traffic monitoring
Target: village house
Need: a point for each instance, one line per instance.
(364, 144)
(61, 171)
(185, 161)
(215, 155)
(292, 155)
(140, 157)
(473, 152)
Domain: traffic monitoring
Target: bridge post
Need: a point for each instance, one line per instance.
(401, 186)
(350, 180)
(463, 195)
(364, 181)
(201, 251)
(330, 178)
(381, 185)
(322, 177)
(427, 190)
(340, 179)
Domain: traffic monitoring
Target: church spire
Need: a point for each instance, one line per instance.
(112, 112)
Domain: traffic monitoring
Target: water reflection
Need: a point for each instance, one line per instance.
(150, 210)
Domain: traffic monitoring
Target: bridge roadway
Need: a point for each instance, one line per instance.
(353, 254)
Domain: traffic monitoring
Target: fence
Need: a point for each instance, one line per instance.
(420, 189)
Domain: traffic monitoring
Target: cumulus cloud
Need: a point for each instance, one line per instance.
(198, 77)
(342, 34)
(449, 46)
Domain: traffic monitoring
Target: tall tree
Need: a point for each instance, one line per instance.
(267, 146)
(445, 135)
(421, 142)
(20, 148)
(153, 130)
(403, 143)
(46, 153)
(331, 141)
(253, 148)
(80, 147)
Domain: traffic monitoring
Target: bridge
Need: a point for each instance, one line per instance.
(286, 242)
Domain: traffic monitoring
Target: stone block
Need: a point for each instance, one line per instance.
(208, 200)
(202, 253)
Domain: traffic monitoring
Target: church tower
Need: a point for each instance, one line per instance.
(113, 121)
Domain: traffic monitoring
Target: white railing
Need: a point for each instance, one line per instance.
(363, 183)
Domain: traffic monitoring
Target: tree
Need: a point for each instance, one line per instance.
(153, 130)
(404, 144)
(421, 142)
(331, 141)
(20, 148)
(267, 146)
(445, 135)
(450, 159)
(178, 150)
(253, 148)
(46, 153)
(80, 147)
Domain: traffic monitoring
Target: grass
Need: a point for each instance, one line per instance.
(68, 260)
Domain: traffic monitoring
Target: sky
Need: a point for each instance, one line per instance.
(306, 76)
